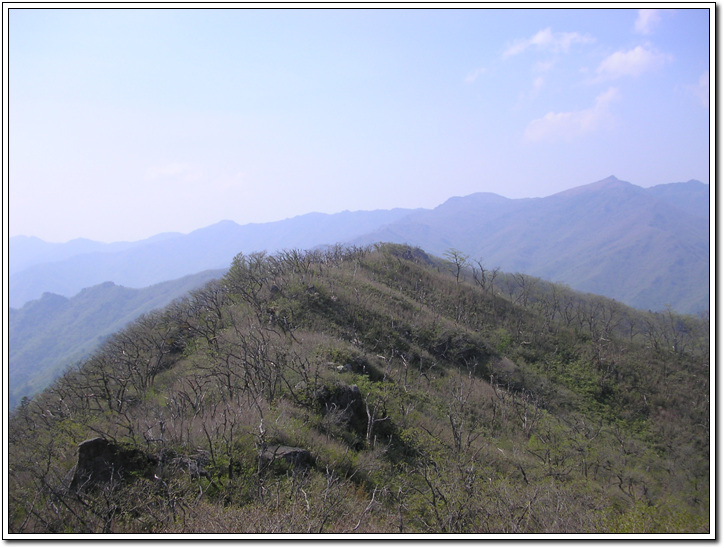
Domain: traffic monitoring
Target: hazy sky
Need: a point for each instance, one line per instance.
(126, 123)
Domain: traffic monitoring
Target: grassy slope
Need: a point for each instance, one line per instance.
(516, 408)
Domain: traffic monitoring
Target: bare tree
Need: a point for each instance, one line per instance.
(485, 277)
(458, 260)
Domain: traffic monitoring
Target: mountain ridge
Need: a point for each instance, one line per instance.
(374, 390)
(525, 234)
(149, 261)
(610, 238)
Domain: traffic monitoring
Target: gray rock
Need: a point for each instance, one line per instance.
(298, 457)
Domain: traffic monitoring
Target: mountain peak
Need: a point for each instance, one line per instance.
(609, 182)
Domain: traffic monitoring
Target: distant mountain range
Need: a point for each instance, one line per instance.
(647, 247)
(26, 251)
(65, 269)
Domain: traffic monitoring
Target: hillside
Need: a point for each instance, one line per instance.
(49, 334)
(648, 248)
(374, 390)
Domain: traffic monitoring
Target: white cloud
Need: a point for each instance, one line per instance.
(548, 40)
(473, 75)
(537, 85)
(700, 90)
(647, 20)
(556, 126)
(631, 63)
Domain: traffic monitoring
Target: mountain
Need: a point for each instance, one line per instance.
(692, 196)
(648, 248)
(375, 390)
(26, 251)
(78, 308)
(171, 256)
(47, 335)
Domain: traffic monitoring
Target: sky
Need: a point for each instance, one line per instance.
(126, 123)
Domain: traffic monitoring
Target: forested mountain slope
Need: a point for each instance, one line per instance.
(49, 334)
(374, 390)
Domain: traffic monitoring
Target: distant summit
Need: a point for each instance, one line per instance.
(646, 247)
(610, 182)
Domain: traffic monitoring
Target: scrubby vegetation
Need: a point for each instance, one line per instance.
(375, 390)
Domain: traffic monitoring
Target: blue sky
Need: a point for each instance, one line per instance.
(128, 123)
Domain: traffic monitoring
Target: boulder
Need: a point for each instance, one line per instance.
(101, 461)
(345, 401)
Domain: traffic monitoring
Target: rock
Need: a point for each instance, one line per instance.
(102, 461)
(346, 402)
(298, 457)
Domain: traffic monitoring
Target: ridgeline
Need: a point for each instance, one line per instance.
(374, 390)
